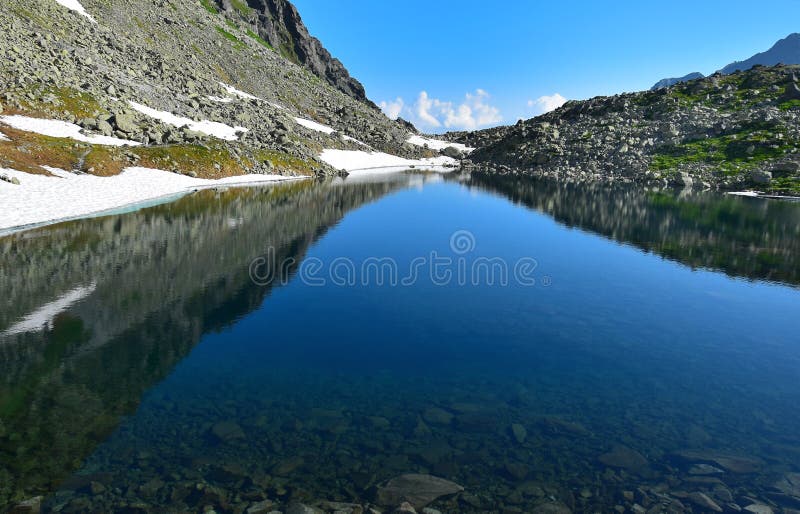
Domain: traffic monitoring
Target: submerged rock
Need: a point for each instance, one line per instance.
(519, 432)
(227, 431)
(789, 484)
(758, 508)
(417, 489)
(703, 501)
(729, 462)
(437, 416)
(625, 458)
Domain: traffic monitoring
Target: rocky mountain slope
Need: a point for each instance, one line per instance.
(279, 24)
(785, 51)
(204, 89)
(725, 131)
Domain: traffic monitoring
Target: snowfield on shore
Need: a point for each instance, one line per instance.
(360, 162)
(39, 199)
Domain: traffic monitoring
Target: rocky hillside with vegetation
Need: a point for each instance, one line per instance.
(204, 88)
(737, 131)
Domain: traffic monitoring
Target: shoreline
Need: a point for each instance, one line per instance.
(170, 193)
(150, 187)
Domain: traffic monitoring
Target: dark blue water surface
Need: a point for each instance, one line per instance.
(648, 359)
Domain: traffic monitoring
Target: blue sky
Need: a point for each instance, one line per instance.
(507, 54)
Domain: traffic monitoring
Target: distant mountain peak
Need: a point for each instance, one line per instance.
(785, 51)
(661, 84)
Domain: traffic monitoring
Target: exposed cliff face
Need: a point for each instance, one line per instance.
(280, 25)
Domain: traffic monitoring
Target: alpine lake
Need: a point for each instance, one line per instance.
(488, 344)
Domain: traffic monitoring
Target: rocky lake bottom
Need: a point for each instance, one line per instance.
(645, 362)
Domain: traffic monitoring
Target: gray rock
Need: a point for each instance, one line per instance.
(126, 123)
(519, 432)
(437, 416)
(227, 431)
(792, 92)
(405, 508)
(551, 508)
(625, 458)
(417, 489)
(262, 507)
(758, 508)
(300, 508)
(789, 484)
(104, 127)
(761, 177)
(453, 152)
(703, 501)
(30, 506)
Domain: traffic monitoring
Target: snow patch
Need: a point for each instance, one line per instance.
(378, 162)
(313, 125)
(3, 137)
(354, 140)
(235, 92)
(40, 199)
(225, 100)
(210, 128)
(56, 128)
(75, 5)
(44, 315)
(437, 144)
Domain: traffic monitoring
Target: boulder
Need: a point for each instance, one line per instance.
(126, 123)
(626, 458)
(227, 431)
(519, 432)
(792, 93)
(452, 151)
(704, 502)
(104, 127)
(416, 489)
(760, 177)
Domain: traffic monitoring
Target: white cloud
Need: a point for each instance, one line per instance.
(431, 113)
(547, 103)
(393, 109)
(423, 107)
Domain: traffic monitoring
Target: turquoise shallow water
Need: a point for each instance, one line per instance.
(647, 354)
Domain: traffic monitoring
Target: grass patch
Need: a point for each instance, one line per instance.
(283, 161)
(791, 104)
(204, 161)
(731, 153)
(258, 39)
(45, 101)
(208, 6)
(786, 185)
(242, 7)
(237, 44)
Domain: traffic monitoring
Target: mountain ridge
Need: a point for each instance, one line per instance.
(785, 51)
(279, 23)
